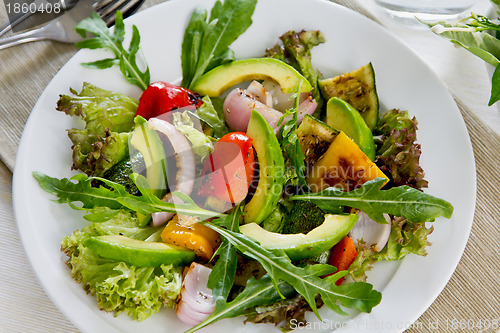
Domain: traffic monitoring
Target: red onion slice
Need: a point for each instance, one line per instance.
(183, 179)
(188, 315)
(238, 108)
(196, 299)
(260, 93)
(281, 101)
(372, 233)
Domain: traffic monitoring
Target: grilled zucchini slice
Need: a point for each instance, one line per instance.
(314, 137)
(356, 88)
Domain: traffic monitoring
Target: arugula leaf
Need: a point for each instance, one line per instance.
(206, 44)
(80, 191)
(495, 86)
(472, 37)
(472, 34)
(290, 141)
(149, 203)
(104, 38)
(306, 280)
(256, 293)
(221, 278)
(116, 197)
(191, 44)
(403, 201)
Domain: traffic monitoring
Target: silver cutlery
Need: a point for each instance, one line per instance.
(20, 17)
(62, 29)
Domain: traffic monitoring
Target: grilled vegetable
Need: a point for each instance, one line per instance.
(343, 165)
(356, 88)
(199, 238)
(315, 137)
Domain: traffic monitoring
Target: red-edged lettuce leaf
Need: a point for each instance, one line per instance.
(398, 153)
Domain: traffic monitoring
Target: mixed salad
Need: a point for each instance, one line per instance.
(255, 188)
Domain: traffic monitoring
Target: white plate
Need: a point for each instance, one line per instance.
(403, 81)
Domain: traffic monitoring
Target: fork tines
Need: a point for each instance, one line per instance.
(107, 9)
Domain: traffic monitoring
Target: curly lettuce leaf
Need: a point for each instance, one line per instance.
(100, 109)
(398, 154)
(202, 145)
(211, 113)
(108, 117)
(119, 287)
(405, 238)
(295, 49)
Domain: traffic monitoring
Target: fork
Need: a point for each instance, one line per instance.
(20, 17)
(62, 29)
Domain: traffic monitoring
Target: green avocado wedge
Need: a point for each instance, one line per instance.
(150, 146)
(343, 117)
(139, 253)
(302, 246)
(271, 168)
(216, 81)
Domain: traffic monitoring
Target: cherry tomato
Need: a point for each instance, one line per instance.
(229, 170)
(161, 97)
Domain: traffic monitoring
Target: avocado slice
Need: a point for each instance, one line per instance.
(149, 144)
(343, 117)
(271, 166)
(302, 246)
(223, 77)
(139, 253)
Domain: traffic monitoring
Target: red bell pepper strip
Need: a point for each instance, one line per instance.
(229, 170)
(342, 256)
(162, 97)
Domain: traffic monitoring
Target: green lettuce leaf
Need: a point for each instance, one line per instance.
(202, 145)
(211, 113)
(108, 117)
(119, 287)
(290, 312)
